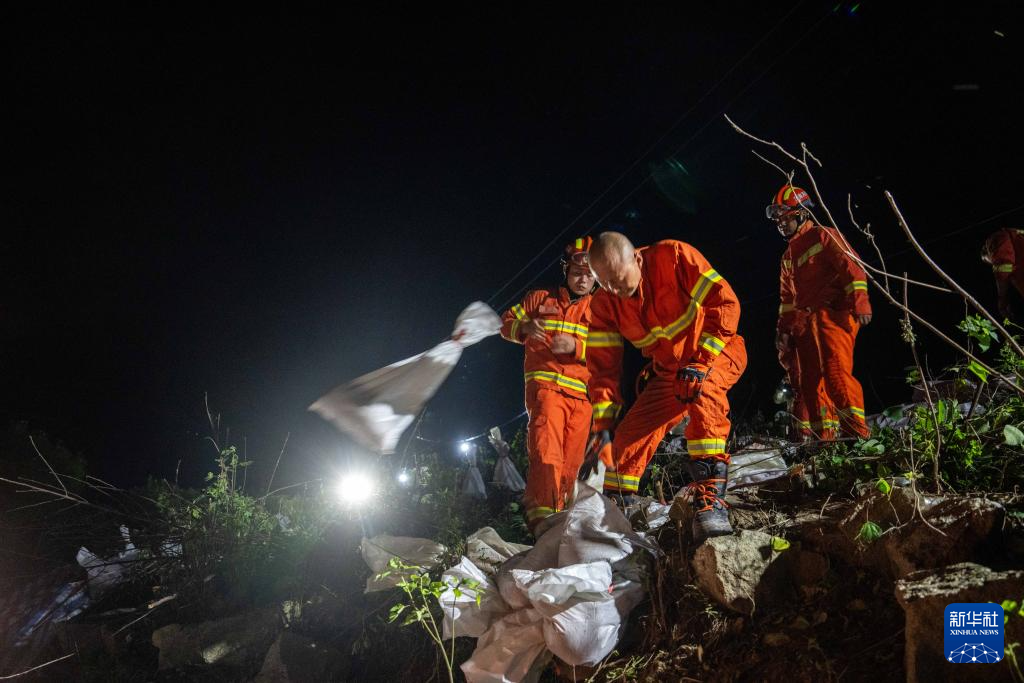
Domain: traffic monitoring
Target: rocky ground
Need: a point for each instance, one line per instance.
(798, 593)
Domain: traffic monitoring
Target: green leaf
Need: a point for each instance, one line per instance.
(1012, 436)
(979, 371)
(893, 412)
(779, 544)
(884, 486)
(869, 532)
(940, 411)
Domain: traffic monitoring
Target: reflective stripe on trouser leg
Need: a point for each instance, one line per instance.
(708, 429)
(836, 333)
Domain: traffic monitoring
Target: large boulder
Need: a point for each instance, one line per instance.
(740, 570)
(239, 641)
(924, 596)
(296, 659)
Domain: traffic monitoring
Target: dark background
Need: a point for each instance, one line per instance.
(262, 207)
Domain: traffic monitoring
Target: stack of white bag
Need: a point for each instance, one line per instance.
(571, 594)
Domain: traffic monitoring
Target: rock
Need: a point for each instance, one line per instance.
(958, 529)
(295, 659)
(775, 639)
(239, 641)
(924, 596)
(738, 570)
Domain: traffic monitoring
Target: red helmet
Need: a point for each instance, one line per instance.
(788, 199)
(576, 251)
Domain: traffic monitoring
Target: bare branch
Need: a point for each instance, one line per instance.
(36, 668)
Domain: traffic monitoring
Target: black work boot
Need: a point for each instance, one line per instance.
(711, 518)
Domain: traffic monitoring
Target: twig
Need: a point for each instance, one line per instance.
(911, 340)
(36, 668)
(55, 476)
(279, 456)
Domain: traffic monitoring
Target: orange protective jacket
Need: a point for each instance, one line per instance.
(566, 372)
(682, 311)
(816, 273)
(1007, 250)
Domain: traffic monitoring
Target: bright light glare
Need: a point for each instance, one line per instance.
(464, 447)
(354, 488)
(403, 477)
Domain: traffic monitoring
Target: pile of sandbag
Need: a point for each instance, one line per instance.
(570, 594)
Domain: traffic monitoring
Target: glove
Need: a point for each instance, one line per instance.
(597, 443)
(690, 381)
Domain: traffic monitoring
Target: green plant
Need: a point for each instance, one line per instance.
(423, 595)
(980, 330)
(255, 547)
(869, 532)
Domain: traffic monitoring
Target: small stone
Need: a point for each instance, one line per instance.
(800, 624)
(856, 605)
(775, 639)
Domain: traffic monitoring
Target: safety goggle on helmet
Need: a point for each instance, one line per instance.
(576, 252)
(788, 200)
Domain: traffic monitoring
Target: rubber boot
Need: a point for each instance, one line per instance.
(711, 518)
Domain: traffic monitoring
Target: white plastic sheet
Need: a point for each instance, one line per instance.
(505, 473)
(103, 573)
(378, 551)
(749, 468)
(376, 408)
(473, 481)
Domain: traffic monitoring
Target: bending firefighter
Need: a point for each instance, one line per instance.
(669, 302)
(1004, 250)
(824, 302)
(552, 325)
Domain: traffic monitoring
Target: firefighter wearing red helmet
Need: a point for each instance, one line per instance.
(553, 325)
(824, 303)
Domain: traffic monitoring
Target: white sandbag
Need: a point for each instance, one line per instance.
(544, 555)
(376, 408)
(488, 551)
(378, 551)
(557, 585)
(473, 481)
(509, 651)
(597, 530)
(462, 615)
(583, 631)
(505, 473)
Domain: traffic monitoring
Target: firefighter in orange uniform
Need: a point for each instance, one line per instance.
(1004, 250)
(824, 302)
(553, 326)
(669, 302)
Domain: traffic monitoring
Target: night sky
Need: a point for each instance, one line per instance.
(262, 207)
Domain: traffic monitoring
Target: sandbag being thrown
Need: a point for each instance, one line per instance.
(376, 408)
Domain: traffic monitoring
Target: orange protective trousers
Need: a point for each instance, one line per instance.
(658, 409)
(820, 424)
(556, 441)
(825, 356)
